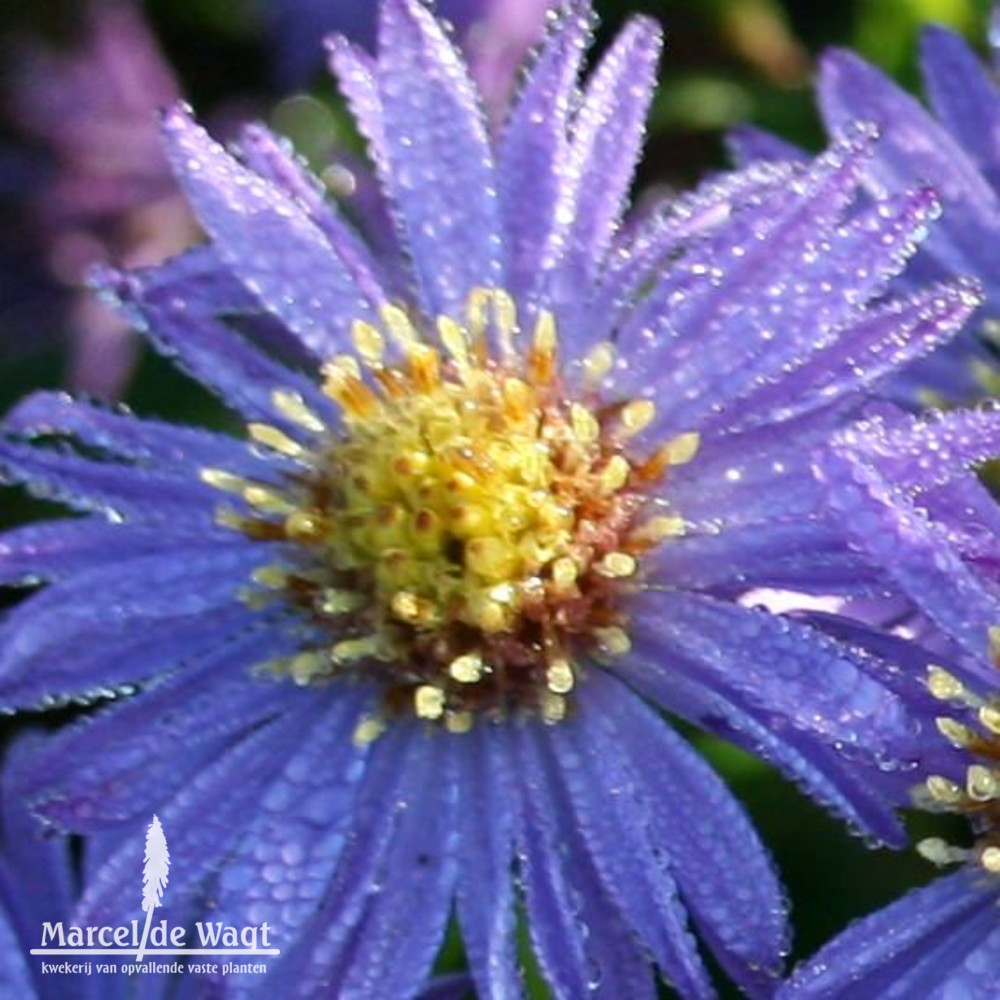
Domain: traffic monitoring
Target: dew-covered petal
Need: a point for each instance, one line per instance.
(780, 226)
(798, 555)
(126, 492)
(394, 796)
(36, 885)
(819, 770)
(121, 436)
(676, 810)
(485, 884)
(281, 869)
(726, 307)
(122, 762)
(53, 550)
(356, 74)
(271, 244)
(440, 173)
(921, 453)
(607, 134)
(914, 148)
(640, 256)
(273, 158)
(582, 941)
(912, 144)
(16, 978)
(122, 622)
(534, 145)
(907, 949)
(873, 348)
(801, 677)
(763, 474)
(159, 302)
(394, 949)
(916, 552)
(209, 351)
(636, 873)
(200, 821)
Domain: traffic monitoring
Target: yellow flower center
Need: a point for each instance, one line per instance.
(978, 797)
(467, 531)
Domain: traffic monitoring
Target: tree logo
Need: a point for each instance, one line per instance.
(155, 872)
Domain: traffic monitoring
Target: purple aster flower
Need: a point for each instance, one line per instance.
(497, 499)
(911, 498)
(110, 195)
(950, 148)
(494, 34)
(942, 940)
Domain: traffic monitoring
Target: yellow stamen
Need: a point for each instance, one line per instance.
(368, 731)
(428, 702)
(291, 405)
(368, 342)
(467, 669)
(559, 677)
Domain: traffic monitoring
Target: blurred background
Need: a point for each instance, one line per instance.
(82, 181)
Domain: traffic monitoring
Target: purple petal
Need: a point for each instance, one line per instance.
(963, 94)
(440, 172)
(200, 822)
(281, 870)
(356, 71)
(130, 493)
(804, 679)
(272, 158)
(270, 243)
(580, 937)
(913, 145)
(915, 149)
(121, 623)
(171, 304)
(396, 798)
(794, 555)
(907, 949)
(121, 436)
(642, 256)
(873, 348)
(55, 550)
(394, 953)
(533, 149)
(820, 771)
(893, 531)
(707, 338)
(607, 135)
(725, 875)
(610, 813)
(485, 890)
(122, 762)
(16, 976)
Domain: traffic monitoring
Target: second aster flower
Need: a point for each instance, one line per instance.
(498, 496)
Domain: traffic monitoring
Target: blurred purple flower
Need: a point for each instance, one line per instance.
(911, 497)
(953, 149)
(941, 941)
(109, 195)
